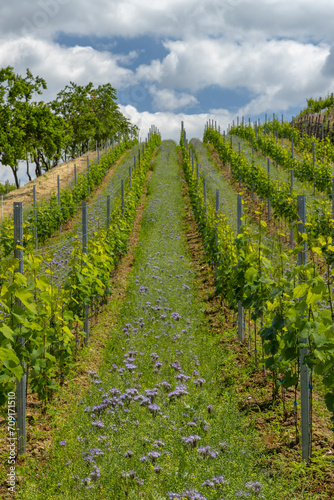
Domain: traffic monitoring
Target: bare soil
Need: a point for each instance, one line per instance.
(46, 185)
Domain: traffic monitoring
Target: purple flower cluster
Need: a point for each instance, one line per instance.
(212, 483)
(179, 391)
(199, 382)
(256, 487)
(206, 451)
(191, 440)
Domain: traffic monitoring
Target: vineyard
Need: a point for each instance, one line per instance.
(166, 321)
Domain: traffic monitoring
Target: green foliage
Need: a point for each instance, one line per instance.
(253, 175)
(89, 113)
(4, 187)
(44, 132)
(288, 303)
(315, 106)
(303, 169)
(50, 215)
(41, 321)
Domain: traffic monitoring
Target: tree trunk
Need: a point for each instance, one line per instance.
(38, 171)
(14, 170)
(28, 173)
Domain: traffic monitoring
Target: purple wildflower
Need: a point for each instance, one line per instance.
(256, 486)
(98, 423)
(158, 443)
(154, 409)
(199, 382)
(209, 408)
(214, 481)
(176, 365)
(191, 440)
(206, 451)
(182, 376)
(130, 367)
(130, 474)
(153, 455)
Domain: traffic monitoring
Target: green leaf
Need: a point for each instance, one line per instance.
(300, 290)
(50, 357)
(26, 298)
(7, 332)
(8, 354)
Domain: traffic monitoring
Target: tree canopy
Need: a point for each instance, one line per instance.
(45, 132)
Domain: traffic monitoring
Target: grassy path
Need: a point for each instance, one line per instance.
(155, 422)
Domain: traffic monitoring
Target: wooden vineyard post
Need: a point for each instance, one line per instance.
(305, 389)
(20, 384)
(85, 250)
(240, 307)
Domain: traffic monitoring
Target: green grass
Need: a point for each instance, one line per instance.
(98, 451)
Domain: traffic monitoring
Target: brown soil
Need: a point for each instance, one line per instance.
(46, 185)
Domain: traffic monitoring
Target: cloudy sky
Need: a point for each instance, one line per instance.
(174, 60)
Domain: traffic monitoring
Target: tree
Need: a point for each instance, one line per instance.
(74, 105)
(15, 95)
(109, 118)
(46, 137)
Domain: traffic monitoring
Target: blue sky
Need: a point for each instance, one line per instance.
(178, 59)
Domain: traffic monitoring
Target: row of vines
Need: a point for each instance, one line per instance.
(305, 169)
(49, 214)
(290, 304)
(41, 323)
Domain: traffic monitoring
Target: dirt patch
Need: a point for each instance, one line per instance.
(46, 185)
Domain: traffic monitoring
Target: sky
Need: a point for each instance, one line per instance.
(174, 60)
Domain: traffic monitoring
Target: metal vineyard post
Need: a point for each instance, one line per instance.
(240, 307)
(20, 385)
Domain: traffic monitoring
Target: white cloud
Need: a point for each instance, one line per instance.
(278, 70)
(301, 19)
(60, 65)
(169, 124)
(169, 100)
